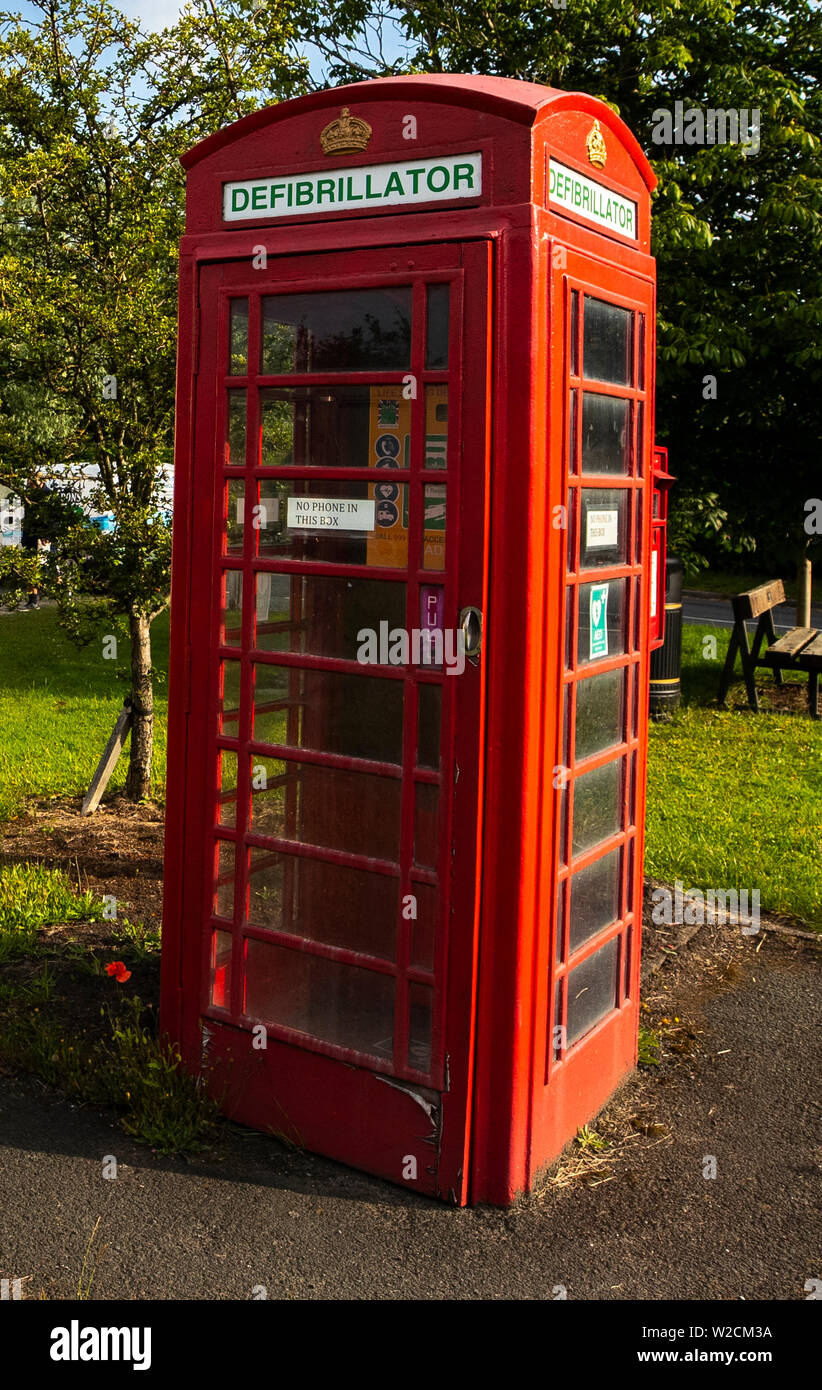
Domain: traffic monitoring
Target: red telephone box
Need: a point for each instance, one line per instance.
(404, 866)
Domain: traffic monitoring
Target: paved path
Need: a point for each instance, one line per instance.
(716, 612)
(310, 1229)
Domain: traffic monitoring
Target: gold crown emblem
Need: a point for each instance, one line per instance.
(346, 135)
(595, 145)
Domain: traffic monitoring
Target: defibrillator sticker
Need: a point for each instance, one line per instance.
(330, 514)
(598, 610)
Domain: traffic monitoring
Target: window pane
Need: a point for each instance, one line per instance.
(340, 1004)
(602, 621)
(608, 348)
(224, 883)
(333, 427)
(329, 903)
(235, 430)
(345, 523)
(436, 427)
(420, 1005)
(328, 807)
(574, 332)
(423, 930)
(606, 443)
(591, 991)
(238, 337)
(227, 765)
(231, 615)
(234, 502)
(428, 725)
(426, 810)
(436, 340)
(324, 616)
(604, 527)
(332, 712)
(433, 544)
(594, 898)
(337, 330)
(597, 806)
(599, 720)
(230, 675)
(221, 969)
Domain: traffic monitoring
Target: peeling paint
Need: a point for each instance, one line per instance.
(417, 1094)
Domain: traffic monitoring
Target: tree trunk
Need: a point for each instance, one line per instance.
(138, 781)
(803, 592)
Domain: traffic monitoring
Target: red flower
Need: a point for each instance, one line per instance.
(118, 970)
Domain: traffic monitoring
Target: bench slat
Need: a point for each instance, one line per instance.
(810, 658)
(754, 602)
(789, 646)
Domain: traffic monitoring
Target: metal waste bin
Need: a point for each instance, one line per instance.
(666, 661)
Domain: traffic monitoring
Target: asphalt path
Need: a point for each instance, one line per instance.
(716, 612)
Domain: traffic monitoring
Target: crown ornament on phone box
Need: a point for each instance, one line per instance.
(347, 135)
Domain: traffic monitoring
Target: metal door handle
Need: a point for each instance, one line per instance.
(471, 629)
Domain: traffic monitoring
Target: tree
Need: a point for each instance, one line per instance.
(737, 231)
(93, 117)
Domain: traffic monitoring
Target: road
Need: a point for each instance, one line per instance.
(716, 612)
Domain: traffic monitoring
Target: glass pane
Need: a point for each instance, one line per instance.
(575, 333)
(436, 338)
(334, 427)
(346, 523)
(340, 1004)
(332, 712)
(428, 725)
(423, 927)
(426, 810)
(238, 337)
(221, 969)
(350, 811)
(608, 348)
(235, 429)
(594, 898)
(230, 674)
(337, 330)
(602, 621)
(433, 545)
(234, 502)
(420, 1005)
(606, 442)
(227, 772)
(597, 806)
(329, 903)
(599, 720)
(604, 526)
(641, 357)
(231, 614)
(326, 616)
(224, 885)
(436, 427)
(591, 991)
(573, 419)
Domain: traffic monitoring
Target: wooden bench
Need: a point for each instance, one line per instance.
(799, 650)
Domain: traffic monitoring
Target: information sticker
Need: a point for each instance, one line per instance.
(601, 530)
(598, 602)
(330, 514)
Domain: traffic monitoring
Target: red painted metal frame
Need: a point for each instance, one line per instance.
(507, 1108)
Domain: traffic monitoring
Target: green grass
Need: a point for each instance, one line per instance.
(734, 798)
(31, 897)
(58, 706)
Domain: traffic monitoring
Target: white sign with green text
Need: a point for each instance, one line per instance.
(371, 186)
(591, 200)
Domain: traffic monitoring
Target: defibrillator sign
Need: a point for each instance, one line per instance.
(371, 186)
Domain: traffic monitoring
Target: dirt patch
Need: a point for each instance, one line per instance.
(116, 852)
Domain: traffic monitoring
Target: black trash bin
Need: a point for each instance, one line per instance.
(666, 661)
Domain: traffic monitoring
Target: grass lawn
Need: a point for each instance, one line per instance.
(734, 798)
(58, 706)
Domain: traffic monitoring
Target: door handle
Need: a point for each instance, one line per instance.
(471, 629)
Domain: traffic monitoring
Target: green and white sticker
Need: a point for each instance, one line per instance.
(598, 626)
(591, 200)
(370, 186)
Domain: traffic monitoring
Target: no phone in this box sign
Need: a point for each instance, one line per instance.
(602, 530)
(330, 514)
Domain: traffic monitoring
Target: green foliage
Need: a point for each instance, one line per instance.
(31, 897)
